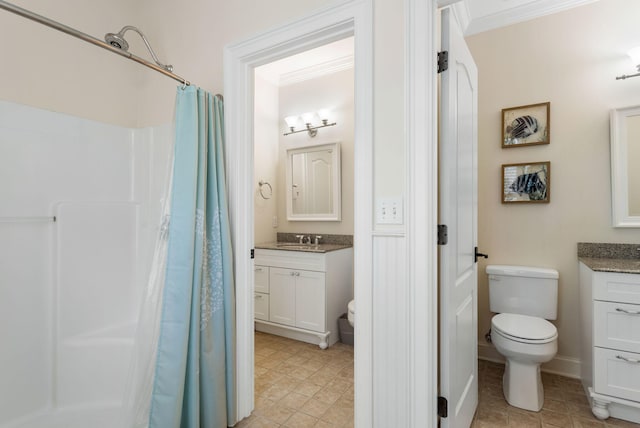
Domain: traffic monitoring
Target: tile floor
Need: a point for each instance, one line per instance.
(298, 385)
(565, 404)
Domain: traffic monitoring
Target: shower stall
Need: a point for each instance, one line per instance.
(80, 212)
(81, 205)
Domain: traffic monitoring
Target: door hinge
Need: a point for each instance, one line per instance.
(253, 253)
(443, 61)
(443, 234)
(443, 407)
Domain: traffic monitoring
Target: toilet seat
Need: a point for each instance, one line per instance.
(524, 328)
(351, 311)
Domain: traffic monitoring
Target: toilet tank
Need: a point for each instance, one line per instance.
(523, 290)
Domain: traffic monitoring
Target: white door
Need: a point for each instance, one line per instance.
(458, 210)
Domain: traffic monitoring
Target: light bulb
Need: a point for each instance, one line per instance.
(308, 118)
(292, 121)
(325, 115)
(634, 54)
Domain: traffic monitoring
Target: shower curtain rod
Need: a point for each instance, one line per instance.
(87, 38)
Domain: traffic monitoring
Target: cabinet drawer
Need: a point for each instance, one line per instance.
(261, 306)
(615, 376)
(616, 287)
(616, 326)
(261, 278)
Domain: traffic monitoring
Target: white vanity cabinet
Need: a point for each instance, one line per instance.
(261, 293)
(610, 312)
(306, 292)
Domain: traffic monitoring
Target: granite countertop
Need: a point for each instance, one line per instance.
(611, 265)
(308, 248)
(620, 258)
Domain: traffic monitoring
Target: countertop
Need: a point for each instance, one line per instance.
(605, 257)
(307, 248)
(612, 265)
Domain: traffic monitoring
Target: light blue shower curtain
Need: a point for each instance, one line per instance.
(194, 381)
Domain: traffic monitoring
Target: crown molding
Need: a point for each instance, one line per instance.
(521, 13)
(316, 70)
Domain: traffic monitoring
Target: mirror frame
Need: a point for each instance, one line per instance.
(619, 168)
(336, 214)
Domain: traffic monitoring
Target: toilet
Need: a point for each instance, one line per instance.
(350, 311)
(524, 298)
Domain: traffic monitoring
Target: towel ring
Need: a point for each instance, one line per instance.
(262, 183)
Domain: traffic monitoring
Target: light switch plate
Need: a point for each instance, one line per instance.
(389, 211)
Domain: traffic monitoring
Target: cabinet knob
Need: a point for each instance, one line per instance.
(258, 296)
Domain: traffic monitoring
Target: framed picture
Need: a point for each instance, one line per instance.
(526, 125)
(526, 182)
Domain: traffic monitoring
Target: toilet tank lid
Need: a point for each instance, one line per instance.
(526, 271)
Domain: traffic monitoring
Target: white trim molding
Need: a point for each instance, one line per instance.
(317, 70)
(421, 124)
(329, 24)
(524, 12)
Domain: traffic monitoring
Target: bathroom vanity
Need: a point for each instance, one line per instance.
(301, 290)
(610, 316)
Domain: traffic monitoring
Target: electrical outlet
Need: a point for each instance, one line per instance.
(389, 211)
(274, 221)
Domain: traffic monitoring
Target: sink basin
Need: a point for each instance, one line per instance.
(296, 246)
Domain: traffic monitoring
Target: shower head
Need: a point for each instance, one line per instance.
(117, 40)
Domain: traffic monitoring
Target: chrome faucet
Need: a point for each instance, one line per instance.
(317, 240)
(300, 239)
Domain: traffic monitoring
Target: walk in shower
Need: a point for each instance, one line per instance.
(80, 211)
(81, 204)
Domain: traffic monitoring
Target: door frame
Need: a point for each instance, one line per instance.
(421, 127)
(240, 59)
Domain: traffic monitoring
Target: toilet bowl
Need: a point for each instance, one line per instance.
(350, 312)
(525, 342)
(524, 298)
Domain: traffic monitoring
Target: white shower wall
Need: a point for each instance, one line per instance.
(70, 290)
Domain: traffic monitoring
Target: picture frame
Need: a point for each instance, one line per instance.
(528, 182)
(528, 125)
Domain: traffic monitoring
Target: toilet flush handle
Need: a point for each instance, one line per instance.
(477, 254)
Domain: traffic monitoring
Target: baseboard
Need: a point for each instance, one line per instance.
(560, 365)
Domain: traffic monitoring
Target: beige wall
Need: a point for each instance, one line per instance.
(44, 68)
(570, 59)
(334, 91)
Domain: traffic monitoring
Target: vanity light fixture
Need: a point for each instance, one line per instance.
(634, 54)
(309, 122)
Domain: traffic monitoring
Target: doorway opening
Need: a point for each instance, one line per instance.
(303, 232)
(241, 59)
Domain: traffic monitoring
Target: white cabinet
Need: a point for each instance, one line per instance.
(261, 295)
(306, 293)
(610, 311)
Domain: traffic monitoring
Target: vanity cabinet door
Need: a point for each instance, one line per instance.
(616, 326)
(282, 296)
(310, 300)
(261, 306)
(617, 373)
(261, 278)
